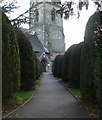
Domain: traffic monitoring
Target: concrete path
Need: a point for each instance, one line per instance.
(51, 100)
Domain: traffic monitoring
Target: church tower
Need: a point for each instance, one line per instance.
(48, 25)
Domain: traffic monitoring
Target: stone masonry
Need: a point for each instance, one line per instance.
(48, 26)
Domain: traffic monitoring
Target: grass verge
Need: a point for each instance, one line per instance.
(91, 108)
(37, 82)
(76, 92)
(22, 96)
(19, 98)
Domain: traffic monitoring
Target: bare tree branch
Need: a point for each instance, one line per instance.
(67, 8)
(22, 19)
(9, 7)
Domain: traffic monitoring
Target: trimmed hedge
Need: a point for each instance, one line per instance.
(38, 68)
(86, 73)
(74, 66)
(65, 64)
(91, 60)
(54, 66)
(82, 63)
(59, 66)
(28, 65)
(10, 59)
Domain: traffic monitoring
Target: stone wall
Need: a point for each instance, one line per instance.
(49, 32)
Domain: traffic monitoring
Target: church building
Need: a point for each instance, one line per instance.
(48, 25)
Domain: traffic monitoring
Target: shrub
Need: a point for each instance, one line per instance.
(97, 72)
(86, 76)
(74, 66)
(53, 67)
(38, 68)
(55, 64)
(59, 66)
(91, 60)
(10, 59)
(28, 65)
(65, 64)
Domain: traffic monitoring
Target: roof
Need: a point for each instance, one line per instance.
(39, 55)
(36, 44)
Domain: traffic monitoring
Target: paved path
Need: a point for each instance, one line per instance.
(51, 100)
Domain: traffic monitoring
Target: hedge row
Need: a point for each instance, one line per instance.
(91, 61)
(20, 66)
(10, 59)
(82, 63)
(67, 66)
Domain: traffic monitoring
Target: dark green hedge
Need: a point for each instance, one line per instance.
(10, 59)
(38, 68)
(74, 66)
(91, 60)
(65, 64)
(28, 65)
(82, 63)
(86, 73)
(54, 66)
(59, 66)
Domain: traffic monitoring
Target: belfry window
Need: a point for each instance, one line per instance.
(36, 15)
(53, 14)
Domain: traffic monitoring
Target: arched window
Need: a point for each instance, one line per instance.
(53, 14)
(36, 15)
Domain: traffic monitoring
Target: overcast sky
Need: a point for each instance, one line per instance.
(73, 28)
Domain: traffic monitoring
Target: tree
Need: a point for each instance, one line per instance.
(67, 8)
(10, 7)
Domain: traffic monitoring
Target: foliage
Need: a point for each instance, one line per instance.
(10, 59)
(38, 70)
(68, 8)
(27, 58)
(38, 81)
(65, 64)
(76, 92)
(55, 66)
(9, 7)
(22, 96)
(91, 60)
(74, 66)
(52, 66)
(86, 75)
(59, 66)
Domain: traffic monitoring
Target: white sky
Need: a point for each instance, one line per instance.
(73, 28)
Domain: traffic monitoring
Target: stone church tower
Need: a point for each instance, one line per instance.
(48, 25)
